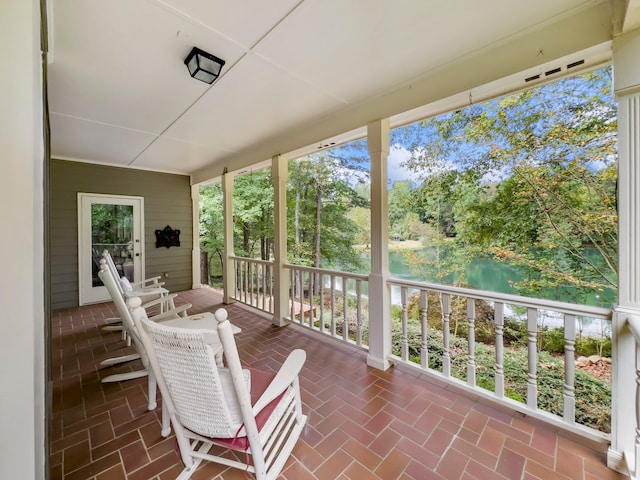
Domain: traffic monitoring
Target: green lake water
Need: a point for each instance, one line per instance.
(487, 274)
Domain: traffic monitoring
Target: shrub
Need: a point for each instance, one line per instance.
(593, 396)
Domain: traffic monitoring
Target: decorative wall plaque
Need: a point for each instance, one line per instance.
(167, 237)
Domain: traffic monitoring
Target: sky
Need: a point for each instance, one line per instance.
(408, 137)
(397, 156)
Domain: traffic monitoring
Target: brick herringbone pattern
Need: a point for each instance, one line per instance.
(363, 423)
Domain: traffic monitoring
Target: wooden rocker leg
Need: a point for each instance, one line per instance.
(119, 377)
(118, 360)
(114, 324)
(112, 320)
(112, 328)
(188, 471)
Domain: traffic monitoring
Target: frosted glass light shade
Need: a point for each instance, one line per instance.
(203, 65)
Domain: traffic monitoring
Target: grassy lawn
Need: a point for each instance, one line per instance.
(394, 246)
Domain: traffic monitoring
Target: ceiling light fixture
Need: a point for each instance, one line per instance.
(203, 65)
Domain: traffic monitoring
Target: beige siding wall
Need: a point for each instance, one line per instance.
(167, 201)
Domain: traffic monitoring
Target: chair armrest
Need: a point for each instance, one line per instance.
(158, 301)
(172, 314)
(143, 292)
(152, 279)
(144, 284)
(285, 377)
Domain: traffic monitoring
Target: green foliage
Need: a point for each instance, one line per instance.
(321, 230)
(593, 396)
(320, 198)
(587, 346)
(253, 214)
(211, 227)
(528, 179)
(111, 224)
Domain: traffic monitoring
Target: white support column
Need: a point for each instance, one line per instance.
(626, 51)
(379, 295)
(26, 389)
(279, 173)
(228, 273)
(195, 251)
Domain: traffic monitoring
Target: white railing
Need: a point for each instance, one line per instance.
(253, 282)
(329, 302)
(532, 311)
(633, 458)
(336, 304)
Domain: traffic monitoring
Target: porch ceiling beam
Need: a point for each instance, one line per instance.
(625, 15)
(632, 16)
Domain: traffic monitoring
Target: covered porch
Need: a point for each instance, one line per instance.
(85, 100)
(363, 422)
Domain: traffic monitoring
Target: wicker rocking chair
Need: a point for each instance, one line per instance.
(242, 418)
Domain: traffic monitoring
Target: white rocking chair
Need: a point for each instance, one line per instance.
(151, 289)
(147, 289)
(132, 333)
(256, 413)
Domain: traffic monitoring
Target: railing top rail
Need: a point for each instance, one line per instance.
(337, 273)
(252, 260)
(538, 303)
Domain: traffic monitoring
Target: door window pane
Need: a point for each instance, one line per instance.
(112, 230)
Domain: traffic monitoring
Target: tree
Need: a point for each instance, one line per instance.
(211, 228)
(361, 215)
(253, 219)
(399, 203)
(253, 214)
(529, 178)
(321, 193)
(320, 199)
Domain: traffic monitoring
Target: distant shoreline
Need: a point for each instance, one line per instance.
(394, 246)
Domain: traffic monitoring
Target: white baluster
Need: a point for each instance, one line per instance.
(333, 306)
(424, 351)
(345, 305)
(569, 368)
(311, 288)
(359, 312)
(446, 316)
(301, 297)
(471, 339)
(404, 344)
(292, 294)
(499, 375)
(532, 378)
(321, 279)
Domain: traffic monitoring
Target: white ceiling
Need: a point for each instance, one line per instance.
(296, 73)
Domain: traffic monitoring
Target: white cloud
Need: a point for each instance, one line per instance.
(395, 169)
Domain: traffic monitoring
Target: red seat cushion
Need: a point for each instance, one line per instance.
(259, 382)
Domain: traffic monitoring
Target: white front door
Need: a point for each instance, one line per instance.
(114, 223)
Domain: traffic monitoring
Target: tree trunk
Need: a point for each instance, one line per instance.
(204, 268)
(245, 238)
(316, 261)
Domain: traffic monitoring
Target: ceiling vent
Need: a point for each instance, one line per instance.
(575, 64)
(553, 71)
